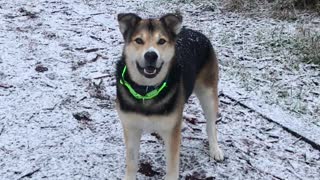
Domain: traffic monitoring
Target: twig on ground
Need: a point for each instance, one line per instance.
(96, 38)
(297, 141)
(32, 116)
(208, 19)
(95, 58)
(91, 50)
(94, 14)
(6, 86)
(289, 162)
(1, 130)
(296, 174)
(194, 138)
(102, 76)
(51, 108)
(80, 48)
(48, 127)
(225, 102)
(81, 99)
(49, 85)
(29, 174)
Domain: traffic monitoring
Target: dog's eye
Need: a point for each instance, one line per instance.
(162, 41)
(139, 41)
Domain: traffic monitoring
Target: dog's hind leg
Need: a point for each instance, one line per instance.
(209, 103)
(206, 89)
(132, 140)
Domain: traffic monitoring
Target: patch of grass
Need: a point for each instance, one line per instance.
(307, 4)
(280, 9)
(284, 10)
(234, 5)
(240, 5)
(206, 5)
(306, 44)
(287, 9)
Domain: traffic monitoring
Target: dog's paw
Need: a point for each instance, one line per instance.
(217, 154)
(175, 177)
(129, 178)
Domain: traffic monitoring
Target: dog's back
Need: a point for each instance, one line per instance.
(193, 51)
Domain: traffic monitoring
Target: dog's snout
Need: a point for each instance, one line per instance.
(151, 57)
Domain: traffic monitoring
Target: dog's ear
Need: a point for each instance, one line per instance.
(127, 21)
(172, 21)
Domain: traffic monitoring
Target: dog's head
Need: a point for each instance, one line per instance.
(149, 46)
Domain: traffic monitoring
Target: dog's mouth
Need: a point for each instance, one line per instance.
(149, 71)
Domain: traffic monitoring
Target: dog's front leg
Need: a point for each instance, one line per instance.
(172, 144)
(132, 138)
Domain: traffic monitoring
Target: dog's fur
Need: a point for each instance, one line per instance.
(187, 62)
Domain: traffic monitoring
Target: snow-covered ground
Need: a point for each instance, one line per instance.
(57, 116)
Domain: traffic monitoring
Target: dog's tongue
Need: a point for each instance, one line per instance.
(150, 70)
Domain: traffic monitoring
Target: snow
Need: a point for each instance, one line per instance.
(38, 130)
(307, 130)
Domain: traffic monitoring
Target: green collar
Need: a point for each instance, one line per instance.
(149, 95)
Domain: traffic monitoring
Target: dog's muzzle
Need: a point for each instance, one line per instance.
(150, 69)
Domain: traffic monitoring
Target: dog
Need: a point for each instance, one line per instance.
(162, 64)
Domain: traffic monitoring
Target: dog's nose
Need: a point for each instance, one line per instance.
(151, 57)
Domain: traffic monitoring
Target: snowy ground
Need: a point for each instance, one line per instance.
(57, 117)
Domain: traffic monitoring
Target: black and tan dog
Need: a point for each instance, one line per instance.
(162, 64)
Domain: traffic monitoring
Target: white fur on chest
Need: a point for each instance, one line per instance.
(154, 123)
